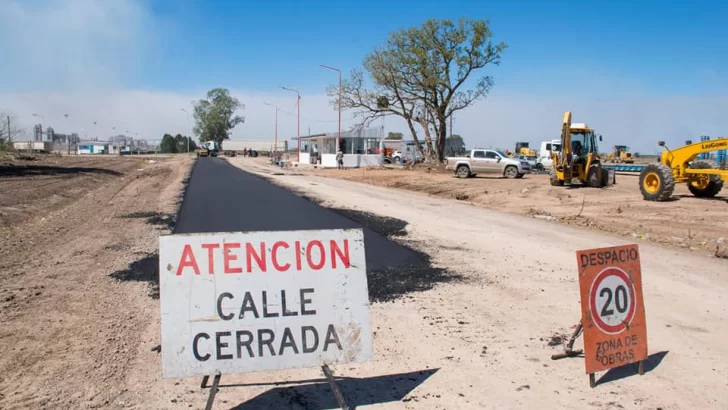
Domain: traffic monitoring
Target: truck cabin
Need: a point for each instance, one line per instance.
(583, 141)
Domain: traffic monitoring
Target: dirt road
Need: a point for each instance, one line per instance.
(78, 269)
(696, 224)
(487, 337)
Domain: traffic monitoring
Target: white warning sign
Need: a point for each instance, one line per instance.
(255, 301)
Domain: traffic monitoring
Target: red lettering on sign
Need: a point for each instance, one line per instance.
(274, 256)
(229, 257)
(298, 255)
(322, 253)
(210, 256)
(187, 259)
(338, 256)
(259, 257)
(336, 251)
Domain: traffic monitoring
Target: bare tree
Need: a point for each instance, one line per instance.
(419, 76)
(8, 127)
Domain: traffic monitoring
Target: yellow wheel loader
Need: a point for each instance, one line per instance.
(522, 148)
(704, 179)
(579, 157)
(621, 154)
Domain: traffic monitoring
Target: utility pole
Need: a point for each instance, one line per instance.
(338, 139)
(298, 126)
(68, 136)
(275, 144)
(189, 136)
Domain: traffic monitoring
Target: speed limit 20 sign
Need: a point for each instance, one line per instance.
(612, 311)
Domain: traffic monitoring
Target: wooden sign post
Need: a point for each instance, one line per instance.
(612, 310)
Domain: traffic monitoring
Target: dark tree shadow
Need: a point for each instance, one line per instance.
(630, 370)
(30, 170)
(154, 218)
(715, 198)
(387, 283)
(142, 270)
(382, 225)
(356, 391)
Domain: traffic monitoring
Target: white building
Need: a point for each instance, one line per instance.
(93, 148)
(361, 148)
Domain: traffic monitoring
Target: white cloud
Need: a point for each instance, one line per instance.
(73, 44)
(498, 121)
(77, 57)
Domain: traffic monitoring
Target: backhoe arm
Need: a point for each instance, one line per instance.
(561, 158)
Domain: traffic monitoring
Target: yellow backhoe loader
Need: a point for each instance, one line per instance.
(704, 179)
(579, 157)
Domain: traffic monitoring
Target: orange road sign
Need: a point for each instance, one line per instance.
(612, 309)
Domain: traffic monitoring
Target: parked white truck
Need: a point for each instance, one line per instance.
(544, 161)
(37, 146)
(486, 161)
(237, 146)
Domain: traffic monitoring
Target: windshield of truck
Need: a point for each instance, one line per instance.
(502, 154)
(581, 141)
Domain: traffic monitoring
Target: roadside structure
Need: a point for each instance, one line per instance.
(362, 148)
(95, 147)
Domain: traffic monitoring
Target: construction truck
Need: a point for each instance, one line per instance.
(578, 159)
(522, 148)
(704, 179)
(620, 154)
(208, 149)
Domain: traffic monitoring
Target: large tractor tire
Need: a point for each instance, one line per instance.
(657, 182)
(708, 187)
(605, 177)
(594, 177)
(554, 178)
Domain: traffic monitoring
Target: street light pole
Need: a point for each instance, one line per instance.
(68, 136)
(338, 139)
(298, 125)
(189, 136)
(275, 144)
(117, 141)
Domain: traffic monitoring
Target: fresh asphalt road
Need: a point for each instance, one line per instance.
(222, 198)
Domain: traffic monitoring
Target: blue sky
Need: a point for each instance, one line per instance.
(661, 47)
(638, 71)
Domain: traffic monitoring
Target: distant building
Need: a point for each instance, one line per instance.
(49, 134)
(93, 148)
(38, 132)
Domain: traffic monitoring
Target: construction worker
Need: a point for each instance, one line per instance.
(340, 159)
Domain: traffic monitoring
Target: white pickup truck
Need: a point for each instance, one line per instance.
(486, 161)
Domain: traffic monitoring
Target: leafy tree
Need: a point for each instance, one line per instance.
(168, 144)
(454, 145)
(215, 115)
(395, 136)
(193, 144)
(419, 75)
(181, 142)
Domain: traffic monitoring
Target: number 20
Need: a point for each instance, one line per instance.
(620, 300)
